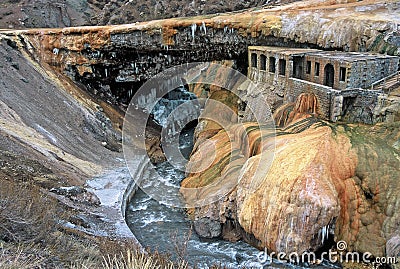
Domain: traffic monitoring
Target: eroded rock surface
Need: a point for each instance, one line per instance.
(55, 136)
(325, 182)
(112, 62)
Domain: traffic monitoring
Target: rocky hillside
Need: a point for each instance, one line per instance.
(327, 182)
(54, 137)
(19, 14)
(31, 104)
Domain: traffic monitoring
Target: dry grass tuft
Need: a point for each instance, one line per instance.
(26, 214)
(31, 236)
(23, 257)
(137, 260)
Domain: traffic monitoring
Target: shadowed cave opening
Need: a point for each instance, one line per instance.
(186, 138)
(175, 117)
(329, 243)
(120, 72)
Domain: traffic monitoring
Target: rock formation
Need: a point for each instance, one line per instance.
(306, 104)
(113, 61)
(325, 182)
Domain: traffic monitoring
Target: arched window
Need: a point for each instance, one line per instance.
(254, 60)
(342, 74)
(282, 66)
(272, 64)
(329, 75)
(263, 62)
(316, 69)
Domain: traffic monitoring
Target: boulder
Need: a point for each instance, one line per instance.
(207, 228)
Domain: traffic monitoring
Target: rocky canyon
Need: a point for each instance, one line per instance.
(292, 181)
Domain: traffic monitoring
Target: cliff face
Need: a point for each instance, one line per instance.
(113, 61)
(326, 182)
(121, 12)
(33, 108)
(21, 14)
(58, 141)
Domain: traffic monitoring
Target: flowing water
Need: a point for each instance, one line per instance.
(168, 229)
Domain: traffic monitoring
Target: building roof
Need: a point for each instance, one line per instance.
(282, 50)
(349, 56)
(331, 55)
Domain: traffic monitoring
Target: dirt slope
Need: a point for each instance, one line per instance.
(19, 14)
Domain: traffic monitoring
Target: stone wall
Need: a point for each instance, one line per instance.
(364, 73)
(142, 164)
(353, 106)
(278, 82)
(362, 106)
(274, 76)
(359, 72)
(343, 99)
(347, 70)
(323, 93)
(320, 78)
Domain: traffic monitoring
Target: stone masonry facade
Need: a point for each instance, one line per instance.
(342, 81)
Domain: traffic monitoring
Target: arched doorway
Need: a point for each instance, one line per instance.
(329, 75)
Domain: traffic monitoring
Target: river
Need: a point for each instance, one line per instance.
(168, 229)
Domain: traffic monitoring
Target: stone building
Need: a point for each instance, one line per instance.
(342, 81)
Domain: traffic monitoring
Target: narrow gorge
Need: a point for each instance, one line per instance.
(270, 129)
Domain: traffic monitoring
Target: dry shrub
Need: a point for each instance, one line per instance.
(124, 254)
(22, 257)
(140, 260)
(181, 243)
(31, 237)
(26, 214)
(74, 251)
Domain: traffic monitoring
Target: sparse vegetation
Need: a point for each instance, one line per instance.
(22, 218)
(34, 239)
(18, 258)
(31, 236)
(138, 260)
(181, 245)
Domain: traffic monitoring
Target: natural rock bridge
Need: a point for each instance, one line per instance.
(354, 168)
(113, 61)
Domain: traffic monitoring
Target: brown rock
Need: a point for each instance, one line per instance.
(324, 180)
